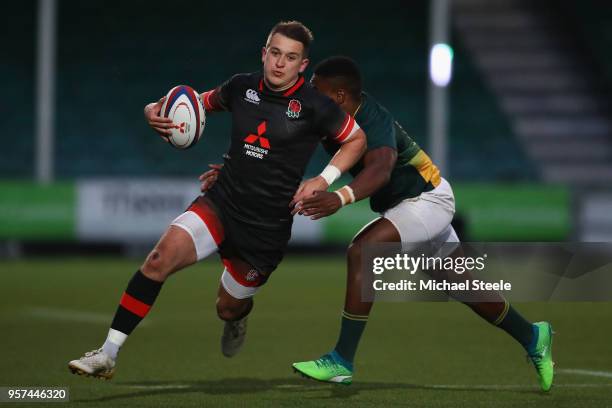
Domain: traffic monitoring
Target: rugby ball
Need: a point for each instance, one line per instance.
(184, 106)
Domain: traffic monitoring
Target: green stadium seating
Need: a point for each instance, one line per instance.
(113, 57)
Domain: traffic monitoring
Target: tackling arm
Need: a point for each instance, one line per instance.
(378, 164)
(349, 153)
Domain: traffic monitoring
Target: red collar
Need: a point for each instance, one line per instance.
(289, 91)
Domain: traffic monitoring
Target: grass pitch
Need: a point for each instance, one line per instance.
(412, 354)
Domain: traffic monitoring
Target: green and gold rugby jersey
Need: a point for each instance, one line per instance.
(414, 172)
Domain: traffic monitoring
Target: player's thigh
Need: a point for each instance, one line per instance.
(378, 230)
(203, 225)
(418, 220)
(192, 236)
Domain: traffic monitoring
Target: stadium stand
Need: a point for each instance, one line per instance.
(17, 84)
(549, 92)
(113, 57)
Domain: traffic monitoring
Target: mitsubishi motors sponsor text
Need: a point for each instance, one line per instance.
(254, 151)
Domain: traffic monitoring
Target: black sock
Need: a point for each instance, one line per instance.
(135, 303)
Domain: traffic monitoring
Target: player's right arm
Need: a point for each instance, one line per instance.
(378, 165)
(349, 153)
(217, 99)
(333, 124)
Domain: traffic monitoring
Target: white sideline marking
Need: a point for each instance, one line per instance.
(474, 387)
(71, 315)
(512, 387)
(590, 373)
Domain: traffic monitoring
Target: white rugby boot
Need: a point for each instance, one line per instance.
(95, 363)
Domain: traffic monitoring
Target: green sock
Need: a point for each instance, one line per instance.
(350, 333)
(515, 325)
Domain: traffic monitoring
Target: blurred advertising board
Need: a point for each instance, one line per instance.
(32, 212)
(126, 210)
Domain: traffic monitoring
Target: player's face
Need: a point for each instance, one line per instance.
(283, 59)
(326, 88)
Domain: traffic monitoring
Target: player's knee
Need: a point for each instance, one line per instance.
(157, 266)
(230, 310)
(354, 252)
(228, 313)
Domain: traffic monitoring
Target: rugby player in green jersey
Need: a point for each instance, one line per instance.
(415, 204)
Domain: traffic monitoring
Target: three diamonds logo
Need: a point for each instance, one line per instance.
(254, 151)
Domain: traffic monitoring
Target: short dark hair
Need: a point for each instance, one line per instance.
(294, 30)
(342, 72)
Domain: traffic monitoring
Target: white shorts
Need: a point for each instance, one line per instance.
(196, 225)
(426, 219)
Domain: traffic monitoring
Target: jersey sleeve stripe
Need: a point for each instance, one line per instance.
(210, 101)
(348, 129)
(356, 127)
(347, 119)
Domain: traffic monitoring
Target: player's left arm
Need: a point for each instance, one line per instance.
(349, 153)
(378, 165)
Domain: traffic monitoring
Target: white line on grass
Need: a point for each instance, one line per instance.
(71, 315)
(474, 387)
(513, 387)
(590, 373)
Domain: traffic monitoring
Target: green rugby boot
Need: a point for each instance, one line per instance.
(326, 369)
(541, 355)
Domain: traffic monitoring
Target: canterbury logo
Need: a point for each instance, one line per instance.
(251, 96)
(263, 141)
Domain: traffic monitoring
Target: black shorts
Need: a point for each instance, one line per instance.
(261, 248)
